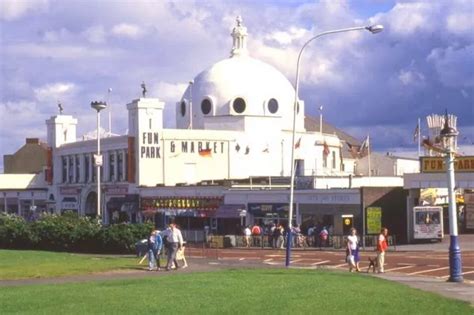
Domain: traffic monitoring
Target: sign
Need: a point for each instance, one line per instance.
(116, 190)
(203, 203)
(432, 164)
(469, 210)
(69, 190)
(150, 146)
(428, 222)
(374, 219)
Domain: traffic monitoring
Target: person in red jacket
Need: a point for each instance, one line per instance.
(382, 245)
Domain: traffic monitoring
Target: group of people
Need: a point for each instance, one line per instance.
(352, 251)
(170, 240)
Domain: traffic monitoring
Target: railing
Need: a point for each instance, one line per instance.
(299, 242)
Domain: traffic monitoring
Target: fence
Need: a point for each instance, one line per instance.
(299, 241)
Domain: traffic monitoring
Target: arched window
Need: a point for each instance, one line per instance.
(239, 105)
(206, 106)
(272, 105)
(183, 108)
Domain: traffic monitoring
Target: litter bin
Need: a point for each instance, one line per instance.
(229, 241)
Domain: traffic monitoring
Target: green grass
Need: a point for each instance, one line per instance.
(262, 291)
(22, 264)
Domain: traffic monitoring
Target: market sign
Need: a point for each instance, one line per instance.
(436, 164)
(201, 203)
(374, 220)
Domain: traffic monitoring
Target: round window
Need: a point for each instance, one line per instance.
(206, 106)
(273, 106)
(183, 108)
(239, 105)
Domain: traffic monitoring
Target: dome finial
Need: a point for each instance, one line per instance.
(239, 34)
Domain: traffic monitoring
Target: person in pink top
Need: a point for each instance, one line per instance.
(382, 245)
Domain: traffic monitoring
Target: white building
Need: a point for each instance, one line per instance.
(234, 127)
(386, 165)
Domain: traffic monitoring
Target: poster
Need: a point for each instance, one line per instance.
(374, 220)
(469, 210)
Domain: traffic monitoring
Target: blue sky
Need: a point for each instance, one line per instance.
(73, 51)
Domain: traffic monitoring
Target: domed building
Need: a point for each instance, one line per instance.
(237, 92)
(231, 151)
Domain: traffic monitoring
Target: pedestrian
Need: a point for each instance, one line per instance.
(256, 235)
(382, 245)
(353, 250)
(323, 237)
(175, 241)
(151, 251)
(158, 246)
(247, 234)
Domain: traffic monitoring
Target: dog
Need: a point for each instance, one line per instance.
(372, 264)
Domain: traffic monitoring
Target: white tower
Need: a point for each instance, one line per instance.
(61, 129)
(145, 125)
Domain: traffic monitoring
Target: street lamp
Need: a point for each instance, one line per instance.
(98, 106)
(448, 137)
(374, 29)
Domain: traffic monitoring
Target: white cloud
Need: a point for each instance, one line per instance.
(14, 9)
(411, 77)
(54, 91)
(286, 37)
(56, 50)
(95, 34)
(454, 66)
(127, 30)
(407, 18)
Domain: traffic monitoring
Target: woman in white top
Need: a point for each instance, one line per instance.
(353, 250)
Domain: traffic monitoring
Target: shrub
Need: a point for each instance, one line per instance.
(70, 232)
(15, 232)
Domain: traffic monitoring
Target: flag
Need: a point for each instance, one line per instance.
(325, 149)
(205, 152)
(365, 145)
(247, 150)
(415, 133)
(266, 150)
(237, 147)
(298, 143)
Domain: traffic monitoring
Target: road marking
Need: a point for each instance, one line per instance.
(214, 263)
(241, 258)
(267, 260)
(278, 255)
(272, 263)
(432, 266)
(406, 264)
(464, 273)
(319, 263)
(425, 271)
(337, 266)
(400, 268)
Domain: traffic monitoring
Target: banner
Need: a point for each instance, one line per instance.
(374, 220)
(434, 164)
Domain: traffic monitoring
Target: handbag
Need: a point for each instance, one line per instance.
(350, 260)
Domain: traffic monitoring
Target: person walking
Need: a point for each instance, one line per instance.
(175, 241)
(151, 251)
(158, 246)
(353, 251)
(247, 234)
(382, 245)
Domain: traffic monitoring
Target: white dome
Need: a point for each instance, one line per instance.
(238, 86)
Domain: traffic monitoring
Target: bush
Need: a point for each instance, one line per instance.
(15, 232)
(70, 232)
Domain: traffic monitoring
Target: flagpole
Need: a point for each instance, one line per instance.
(321, 120)
(419, 137)
(368, 152)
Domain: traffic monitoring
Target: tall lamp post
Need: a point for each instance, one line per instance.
(373, 29)
(98, 106)
(448, 136)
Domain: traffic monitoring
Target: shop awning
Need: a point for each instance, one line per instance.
(229, 211)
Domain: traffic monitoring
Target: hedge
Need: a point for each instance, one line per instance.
(70, 232)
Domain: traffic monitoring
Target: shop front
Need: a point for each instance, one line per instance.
(123, 209)
(189, 213)
(70, 199)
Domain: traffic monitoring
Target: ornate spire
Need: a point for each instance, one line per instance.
(239, 34)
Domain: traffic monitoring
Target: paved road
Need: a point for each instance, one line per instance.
(422, 263)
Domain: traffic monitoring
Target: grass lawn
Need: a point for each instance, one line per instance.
(243, 291)
(21, 264)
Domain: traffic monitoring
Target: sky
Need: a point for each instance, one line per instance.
(378, 85)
